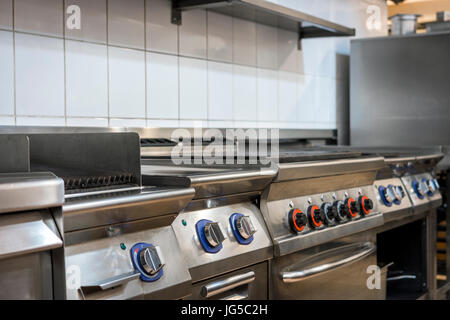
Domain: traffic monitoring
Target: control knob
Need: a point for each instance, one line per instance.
(213, 234)
(151, 260)
(431, 187)
(400, 193)
(351, 208)
(297, 220)
(314, 217)
(420, 188)
(365, 205)
(338, 208)
(245, 227)
(328, 213)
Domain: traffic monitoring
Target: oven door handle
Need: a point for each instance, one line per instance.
(295, 276)
(220, 286)
(110, 282)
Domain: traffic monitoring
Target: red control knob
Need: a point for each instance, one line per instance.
(297, 220)
(365, 205)
(351, 208)
(314, 217)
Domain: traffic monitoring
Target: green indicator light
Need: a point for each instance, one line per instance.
(184, 222)
(123, 246)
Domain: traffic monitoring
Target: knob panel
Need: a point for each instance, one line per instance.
(242, 227)
(147, 259)
(210, 235)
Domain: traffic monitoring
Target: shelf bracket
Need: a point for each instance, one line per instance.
(176, 15)
(300, 36)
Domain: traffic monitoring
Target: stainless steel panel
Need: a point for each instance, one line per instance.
(25, 233)
(425, 203)
(276, 216)
(167, 133)
(30, 191)
(395, 212)
(399, 90)
(26, 277)
(95, 211)
(254, 287)
(79, 155)
(348, 282)
(103, 259)
(17, 150)
(233, 255)
(208, 181)
(303, 170)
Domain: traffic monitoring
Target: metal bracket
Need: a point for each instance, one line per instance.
(176, 15)
(300, 36)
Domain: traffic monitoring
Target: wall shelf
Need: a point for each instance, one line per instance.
(267, 13)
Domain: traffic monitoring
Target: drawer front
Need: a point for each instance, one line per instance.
(244, 284)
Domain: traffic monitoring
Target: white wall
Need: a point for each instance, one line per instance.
(129, 66)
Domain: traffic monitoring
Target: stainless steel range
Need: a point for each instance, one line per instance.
(221, 232)
(118, 240)
(409, 196)
(320, 211)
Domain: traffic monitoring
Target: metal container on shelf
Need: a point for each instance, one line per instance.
(404, 24)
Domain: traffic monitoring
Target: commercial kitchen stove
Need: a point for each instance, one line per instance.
(221, 232)
(321, 211)
(118, 239)
(408, 192)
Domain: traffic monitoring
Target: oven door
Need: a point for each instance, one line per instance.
(243, 284)
(342, 269)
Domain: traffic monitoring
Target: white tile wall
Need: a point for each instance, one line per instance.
(86, 79)
(93, 19)
(129, 66)
(7, 121)
(39, 16)
(162, 36)
(6, 73)
(220, 35)
(244, 42)
(287, 96)
(6, 16)
(220, 89)
(126, 83)
(162, 86)
(267, 95)
(40, 121)
(87, 122)
(193, 34)
(126, 23)
(39, 75)
(193, 89)
(244, 93)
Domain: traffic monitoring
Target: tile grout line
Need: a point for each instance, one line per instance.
(65, 62)
(107, 65)
(145, 61)
(14, 60)
(207, 67)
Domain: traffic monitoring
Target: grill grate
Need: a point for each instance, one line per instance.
(87, 182)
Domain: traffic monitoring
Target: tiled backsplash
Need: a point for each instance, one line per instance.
(129, 66)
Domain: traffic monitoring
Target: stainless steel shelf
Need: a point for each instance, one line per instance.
(267, 13)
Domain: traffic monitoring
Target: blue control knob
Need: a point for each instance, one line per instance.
(147, 259)
(419, 188)
(243, 228)
(210, 235)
